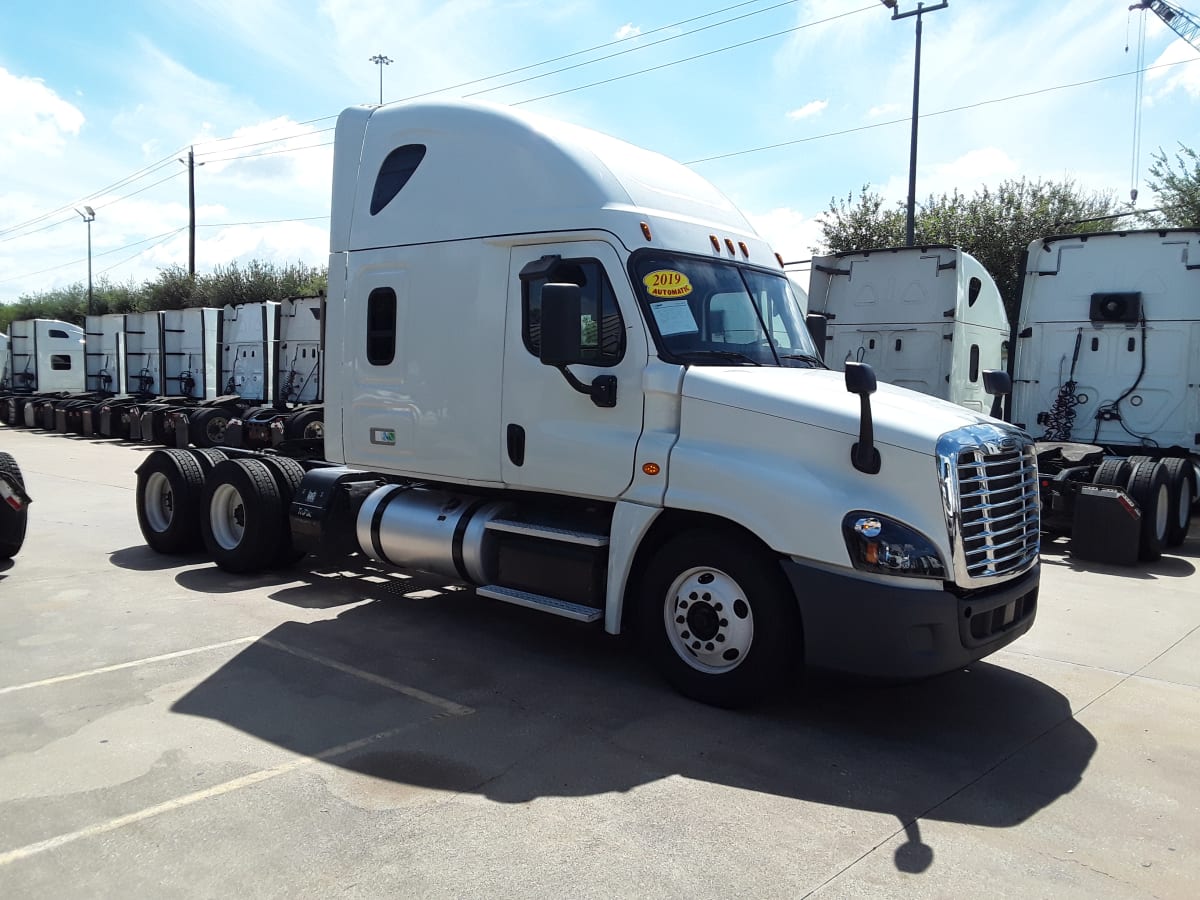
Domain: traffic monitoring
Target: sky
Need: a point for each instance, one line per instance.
(782, 105)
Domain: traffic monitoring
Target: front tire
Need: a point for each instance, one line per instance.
(718, 619)
(12, 523)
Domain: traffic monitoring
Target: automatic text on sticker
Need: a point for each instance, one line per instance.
(667, 283)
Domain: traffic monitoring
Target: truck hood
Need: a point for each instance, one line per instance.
(818, 398)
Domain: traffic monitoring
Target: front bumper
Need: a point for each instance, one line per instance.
(896, 632)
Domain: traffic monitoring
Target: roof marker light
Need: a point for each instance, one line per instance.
(716, 244)
(745, 250)
(729, 246)
(780, 258)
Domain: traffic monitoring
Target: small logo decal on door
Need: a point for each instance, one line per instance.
(384, 436)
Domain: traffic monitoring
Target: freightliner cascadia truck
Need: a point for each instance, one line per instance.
(567, 371)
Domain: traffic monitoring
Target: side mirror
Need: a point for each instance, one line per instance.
(818, 327)
(860, 378)
(561, 334)
(997, 382)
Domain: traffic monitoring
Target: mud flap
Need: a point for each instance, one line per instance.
(1107, 526)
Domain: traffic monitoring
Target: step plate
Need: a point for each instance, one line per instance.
(537, 601)
(549, 532)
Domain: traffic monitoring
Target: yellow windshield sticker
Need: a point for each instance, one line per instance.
(667, 283)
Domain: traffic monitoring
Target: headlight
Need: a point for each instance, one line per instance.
(881, 545)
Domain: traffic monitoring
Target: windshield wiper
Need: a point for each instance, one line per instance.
(805, 357)
(721, 354)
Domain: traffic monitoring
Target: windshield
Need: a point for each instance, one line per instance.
(708, 312)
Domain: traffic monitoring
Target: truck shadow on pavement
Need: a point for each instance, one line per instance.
(436, 689)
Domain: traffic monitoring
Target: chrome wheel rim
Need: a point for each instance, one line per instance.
(227, 515)
(709, 622)
(159, 502)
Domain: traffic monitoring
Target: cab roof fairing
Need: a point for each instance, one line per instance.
(491, 170)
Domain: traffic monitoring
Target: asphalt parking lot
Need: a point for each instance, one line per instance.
(169, 730)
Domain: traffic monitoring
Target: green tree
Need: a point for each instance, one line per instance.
(1178, 192)
(994, 226)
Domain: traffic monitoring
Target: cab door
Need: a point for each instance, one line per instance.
(554, 438)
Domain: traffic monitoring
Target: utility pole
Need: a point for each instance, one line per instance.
(89, 216)
(910, 224)
(380, 60)
(190, 162)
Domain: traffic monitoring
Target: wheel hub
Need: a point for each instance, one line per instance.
(709, 623)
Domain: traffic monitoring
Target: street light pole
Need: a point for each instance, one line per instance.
(89, 216)
(380, 60)
(910, 223)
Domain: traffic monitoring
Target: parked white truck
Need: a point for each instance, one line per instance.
(45, 362)
(566, 370)
(1107, 375)
(926, 318)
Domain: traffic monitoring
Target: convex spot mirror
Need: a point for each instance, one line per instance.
(997, 383)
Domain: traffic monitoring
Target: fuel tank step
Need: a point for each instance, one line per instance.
(537, 601)
(549, 532)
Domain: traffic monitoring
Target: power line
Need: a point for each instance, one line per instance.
(75, 262)
(289, 137)
(940, 112)
(144, 251)
(641, 46)
(140, 173)
(677, 62)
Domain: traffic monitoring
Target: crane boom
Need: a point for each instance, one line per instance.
(1178, 20)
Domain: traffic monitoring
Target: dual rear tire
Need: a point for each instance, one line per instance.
(235, 509)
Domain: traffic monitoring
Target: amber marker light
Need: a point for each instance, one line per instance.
(780, 258)
(745, 250)
(651, 468)
(729, 245)
(646, 231)
(716, 244)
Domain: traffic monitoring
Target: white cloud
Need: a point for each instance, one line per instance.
(808, 109)
(789, 232)
(884, 110)
(1183, 74)
(627, 30)
(974, 169)
(36, 120)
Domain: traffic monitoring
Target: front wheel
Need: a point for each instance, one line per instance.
(718, 619)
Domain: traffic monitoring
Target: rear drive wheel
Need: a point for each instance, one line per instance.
(1181, 480)
(306, 424)
(207, 427)
(243, 520)
(1150, 489)
(1114, 472)
(169, 487)
(718, 619)
(288, 475)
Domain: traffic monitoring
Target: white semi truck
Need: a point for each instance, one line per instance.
(1107, 375)
(926, 318)
(566, 370)
(45, 359)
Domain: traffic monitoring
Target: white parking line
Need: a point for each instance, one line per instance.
(58, 679)
(227, 787)
(447, 706)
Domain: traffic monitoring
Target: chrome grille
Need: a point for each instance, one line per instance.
(998, 511)
(990, 483)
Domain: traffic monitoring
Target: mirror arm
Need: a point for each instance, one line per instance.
(602, 390)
